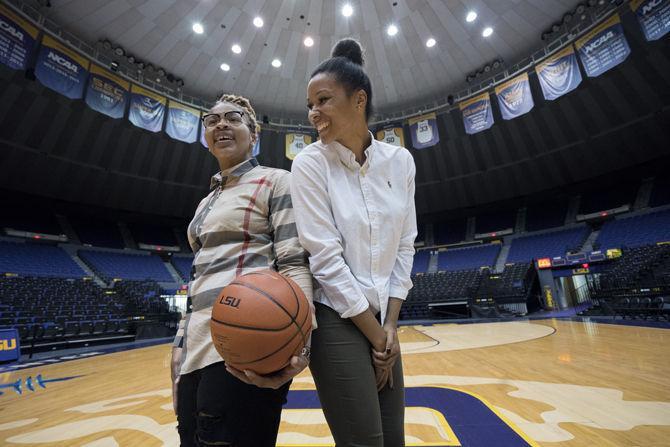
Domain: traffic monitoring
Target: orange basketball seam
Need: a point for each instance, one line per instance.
(250, 327)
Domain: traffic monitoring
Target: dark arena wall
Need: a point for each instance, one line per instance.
(60, 148)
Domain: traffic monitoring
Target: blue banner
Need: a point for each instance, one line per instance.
(107, 93)
(424, 131)
(182, 122)
(559, 74)
(61, 69)
(477, 113)
(603, 48)
(514, 97)
(147, 109)
(17, 39)
(654, 17)
(9, 345)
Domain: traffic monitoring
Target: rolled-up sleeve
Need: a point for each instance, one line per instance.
(319, 235)
(401, 280)
(291, 257)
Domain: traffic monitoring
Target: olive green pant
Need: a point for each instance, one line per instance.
(341, 365)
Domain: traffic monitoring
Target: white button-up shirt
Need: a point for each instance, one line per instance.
(358, 223)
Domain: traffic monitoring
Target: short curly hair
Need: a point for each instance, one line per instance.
(246, 105)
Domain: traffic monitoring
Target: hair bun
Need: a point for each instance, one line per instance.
(349, 49)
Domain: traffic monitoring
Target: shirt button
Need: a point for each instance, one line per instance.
(209, 207)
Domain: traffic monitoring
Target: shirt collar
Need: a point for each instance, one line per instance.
(348, 158)
(239, 170)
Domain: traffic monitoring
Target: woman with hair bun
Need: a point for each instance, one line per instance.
(353, 200)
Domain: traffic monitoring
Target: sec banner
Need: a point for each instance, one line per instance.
(392, 135)
(147, 109)
(182, 122)
(654, 17)
(61, 69)
(295, 143)
(424, 131)
(17, 39)
(477, 113)
(106, 92)
(514, 97)
(603, 48)
(559, 74)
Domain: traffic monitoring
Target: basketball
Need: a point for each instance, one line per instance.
(259, 321)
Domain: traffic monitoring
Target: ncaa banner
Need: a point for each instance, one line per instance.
(392, 135)
(295, 143)
(424, 131)
(514, 97)
(603, 48)
(654, 17)
(147, 109)
(61, 69)
(559, 75)
(477, 113)
(106, 92)
(183, 122)
(17, 39)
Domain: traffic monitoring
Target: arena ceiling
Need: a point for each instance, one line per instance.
(404, 71)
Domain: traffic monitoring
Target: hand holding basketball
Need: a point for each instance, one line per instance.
(275, 380)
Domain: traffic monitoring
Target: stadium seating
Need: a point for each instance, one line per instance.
(635, 231)
(183, 266)
(37, 260)
(468, 258)
(421, 261)
(546, 245)
(110, 265)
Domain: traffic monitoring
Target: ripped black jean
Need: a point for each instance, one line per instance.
(215, 408)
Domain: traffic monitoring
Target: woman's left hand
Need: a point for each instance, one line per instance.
(388, 358)
(274, 380)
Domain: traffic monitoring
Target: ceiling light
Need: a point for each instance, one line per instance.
(236, 49)
(471, 17)
(276, 63)
(487, 31)
(225, 67)
(392, 30)
(308, 41)
(430, 43)
(347, 10)
(258, 22)
(198, 29)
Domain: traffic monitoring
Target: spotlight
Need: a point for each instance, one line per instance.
(119, 51)
(258, 22)
(347, 10)
(276, 63)
(131, 58)
(487, 68)
(580, 8)
(114, 65)
(161, 72)
(487, 31)
(236, 49)
(107, 45)
(471, 17)
(198, 29)
(308, 41)
(567, 18)
(430, 42)
(392, 30)
(496, 64)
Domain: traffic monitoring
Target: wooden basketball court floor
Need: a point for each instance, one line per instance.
(551, 383)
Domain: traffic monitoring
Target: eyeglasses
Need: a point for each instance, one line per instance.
(233, 117)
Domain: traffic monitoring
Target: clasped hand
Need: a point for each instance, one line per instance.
(383, 361)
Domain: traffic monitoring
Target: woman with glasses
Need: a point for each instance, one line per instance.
(354, 206)
(244, 224)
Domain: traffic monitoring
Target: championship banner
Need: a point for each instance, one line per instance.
(477, 113)
(147, 109)
(17, 39)
(654, 17)
(392, 135)
(61, 69)
(603, 48)
(514, 97)
(182, 122)
(295, 143)
(106, 92)
(424, 131)
(559, 74)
